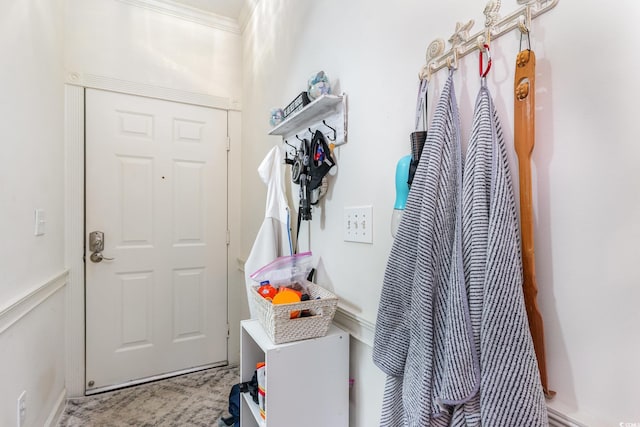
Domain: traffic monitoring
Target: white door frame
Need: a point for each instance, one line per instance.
(74, 201)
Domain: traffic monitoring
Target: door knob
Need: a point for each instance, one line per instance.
(96, 246)
(98, 257)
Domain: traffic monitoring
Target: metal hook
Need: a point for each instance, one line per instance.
(524, 24)
(528, 41)
(459, 37)
(425, 73)
(287, 160)
(452, 61)
(310, 131)
(298, 138)
(491, 11)
(524, 21)
(435, 49)
(335, 135)
(483, 73)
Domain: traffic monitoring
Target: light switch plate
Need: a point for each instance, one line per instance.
(39, 222)
(358, 224)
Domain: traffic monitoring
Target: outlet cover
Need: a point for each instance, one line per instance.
(358, 224)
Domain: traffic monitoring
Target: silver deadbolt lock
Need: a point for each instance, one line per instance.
(96, 246)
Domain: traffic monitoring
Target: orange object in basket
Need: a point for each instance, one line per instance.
(267, 292)
(287, 296)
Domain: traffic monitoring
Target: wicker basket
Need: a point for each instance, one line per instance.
(276, 318)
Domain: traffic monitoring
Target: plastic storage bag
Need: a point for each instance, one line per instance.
(286, 270)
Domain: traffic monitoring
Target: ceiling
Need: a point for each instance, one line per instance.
(228, 8)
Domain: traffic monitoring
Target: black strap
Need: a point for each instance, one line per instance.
(295, 250)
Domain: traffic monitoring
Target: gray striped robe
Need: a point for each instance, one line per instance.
(458, 351)
(423, 299)
(510, 389)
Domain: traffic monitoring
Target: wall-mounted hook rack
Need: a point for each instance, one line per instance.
(325, 109)
(463, 44)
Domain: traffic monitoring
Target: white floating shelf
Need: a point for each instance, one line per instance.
(313, 112)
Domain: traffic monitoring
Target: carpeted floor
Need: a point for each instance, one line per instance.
(196, 399)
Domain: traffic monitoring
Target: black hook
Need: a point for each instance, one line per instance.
(335, 135)
(290, 160)
(310, 131)
(298, 138)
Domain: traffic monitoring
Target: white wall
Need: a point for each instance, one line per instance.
(32, 360)
(585, 180)
(31, 166)
(31, 176)
(114, 39)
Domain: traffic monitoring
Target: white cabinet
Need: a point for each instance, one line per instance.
(307, 382)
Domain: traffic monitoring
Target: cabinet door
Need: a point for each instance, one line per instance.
(307, 381)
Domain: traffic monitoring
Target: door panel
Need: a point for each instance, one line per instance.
(156, 182)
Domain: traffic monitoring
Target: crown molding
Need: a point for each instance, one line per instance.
(248, 7)
(191, 14)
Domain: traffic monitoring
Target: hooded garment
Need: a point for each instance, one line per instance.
(452, 332)
(274, 237)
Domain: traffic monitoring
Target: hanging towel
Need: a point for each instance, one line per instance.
(510, 389)
(452, 332)
(423, 300)
(274, 237)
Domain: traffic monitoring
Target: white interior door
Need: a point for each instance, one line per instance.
(156, 186)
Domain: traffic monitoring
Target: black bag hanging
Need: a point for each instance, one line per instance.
(321, 161)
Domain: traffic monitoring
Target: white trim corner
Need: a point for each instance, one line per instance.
(57, 410)
(359, 328)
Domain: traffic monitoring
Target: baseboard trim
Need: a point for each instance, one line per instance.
(359, 328)
(558, 419)
(54, 417)
(20, 307)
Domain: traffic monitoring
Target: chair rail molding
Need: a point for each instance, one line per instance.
(359, 328)
(21, 306)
